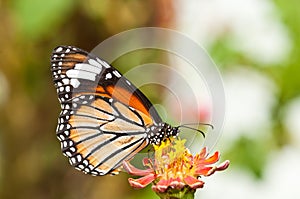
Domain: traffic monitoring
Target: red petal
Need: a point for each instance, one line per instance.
(203, 170)
(194, 183)
(141, 182)
(134, 171)
(212, 159)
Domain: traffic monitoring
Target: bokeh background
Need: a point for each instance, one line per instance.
(255, 43)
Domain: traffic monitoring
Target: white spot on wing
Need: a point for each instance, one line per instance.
(85, 162)
(68, 89)
(73, 160)
(75, 83)
(69, 154)
(66, 81)
(81, 166)
(117, 73)
(79, 158)
(59, 49)
(108, 76)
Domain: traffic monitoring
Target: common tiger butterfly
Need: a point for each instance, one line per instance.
(104, 118)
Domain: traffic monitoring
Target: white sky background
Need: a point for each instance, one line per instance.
(256, 31)
(254, 25)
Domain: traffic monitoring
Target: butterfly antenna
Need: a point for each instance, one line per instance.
(195, 129)
(204, 124)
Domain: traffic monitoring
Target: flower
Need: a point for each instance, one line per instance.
(174, 168)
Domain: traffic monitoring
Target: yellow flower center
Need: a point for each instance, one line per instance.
(172, 159)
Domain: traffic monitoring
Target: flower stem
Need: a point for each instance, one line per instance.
(184, 193)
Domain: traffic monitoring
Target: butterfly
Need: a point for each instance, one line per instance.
(104, 118)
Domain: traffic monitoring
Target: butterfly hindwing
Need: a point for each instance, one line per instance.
(96, 137)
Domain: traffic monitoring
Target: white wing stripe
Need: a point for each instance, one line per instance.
(80, 74)
(89, 68)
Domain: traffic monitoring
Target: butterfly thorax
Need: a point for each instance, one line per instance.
(160, 132)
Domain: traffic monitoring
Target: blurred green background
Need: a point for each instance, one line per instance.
(255, 44)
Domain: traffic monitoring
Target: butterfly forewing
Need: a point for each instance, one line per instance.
(104, 117)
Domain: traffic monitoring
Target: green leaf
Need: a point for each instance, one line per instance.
(184, 193)
(36, 18)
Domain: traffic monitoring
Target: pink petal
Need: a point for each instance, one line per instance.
(221, 167)
(161, 186)
(203, 152)
(148, 162)
(135, 171)
(194, 183)
(176, 183)
(141, 182)
(224, 165)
